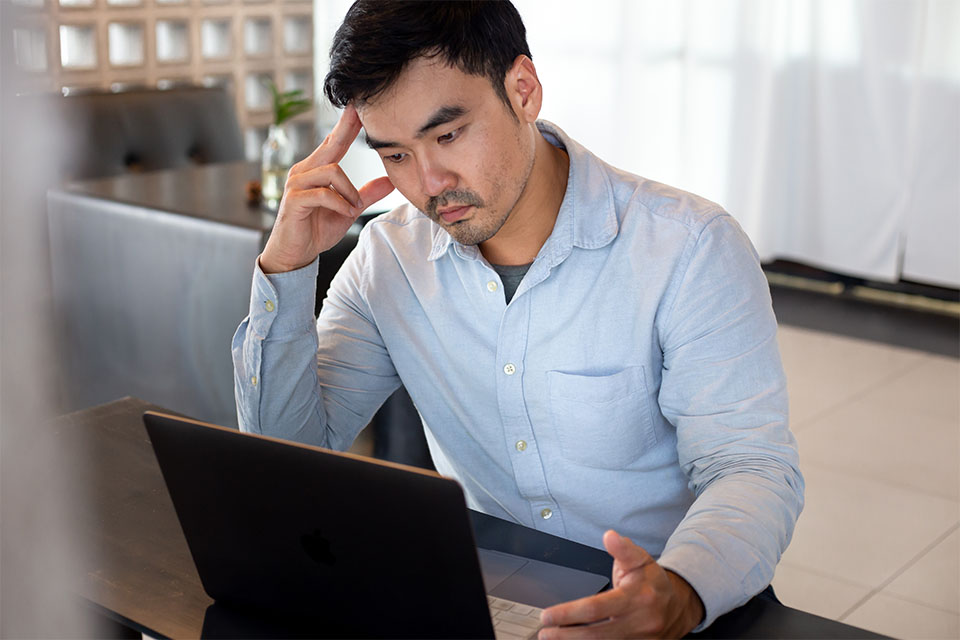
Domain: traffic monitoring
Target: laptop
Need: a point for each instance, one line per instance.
(345, 545)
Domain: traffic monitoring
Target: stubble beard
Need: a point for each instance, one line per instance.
(483, 224)
(467, 232)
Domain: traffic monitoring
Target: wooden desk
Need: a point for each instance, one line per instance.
(139, 571)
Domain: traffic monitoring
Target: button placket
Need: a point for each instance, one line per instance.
(519, 436)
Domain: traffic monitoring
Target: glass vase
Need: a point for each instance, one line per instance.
(276, 160)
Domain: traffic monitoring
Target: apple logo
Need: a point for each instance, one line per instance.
(318, 548)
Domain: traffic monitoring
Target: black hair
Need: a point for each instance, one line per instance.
(379, 37)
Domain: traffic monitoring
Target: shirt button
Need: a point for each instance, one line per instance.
(521, 445)
(254, 380)
(546, 513)
(509, 369)
(491, 286)
(269, 305)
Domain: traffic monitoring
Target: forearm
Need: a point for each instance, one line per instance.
(728, 545)
(274, 357)
(317, 381)
(724, 390)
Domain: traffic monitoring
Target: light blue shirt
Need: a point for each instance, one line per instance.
(633, 382)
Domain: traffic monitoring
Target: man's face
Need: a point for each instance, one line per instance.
(451, 147)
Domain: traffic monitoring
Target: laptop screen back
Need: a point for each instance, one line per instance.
(358, 545)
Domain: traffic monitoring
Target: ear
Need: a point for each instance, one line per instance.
(524, 89)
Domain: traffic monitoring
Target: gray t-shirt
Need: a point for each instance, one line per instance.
(511, 275)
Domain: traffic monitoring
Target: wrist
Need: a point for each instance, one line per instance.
(693, 609)
(270, 266)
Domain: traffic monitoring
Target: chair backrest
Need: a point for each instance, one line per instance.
(108, 134)
(332, 259)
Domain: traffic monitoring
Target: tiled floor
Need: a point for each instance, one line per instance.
(877, 545)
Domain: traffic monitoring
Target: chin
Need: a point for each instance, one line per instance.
(469, 235)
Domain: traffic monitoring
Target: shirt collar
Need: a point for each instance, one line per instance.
(587, 216)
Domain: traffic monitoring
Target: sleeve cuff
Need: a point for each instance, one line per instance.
(282, 304)
(719, 590)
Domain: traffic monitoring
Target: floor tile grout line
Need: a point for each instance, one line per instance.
(930, 547)
(886, 483)
(921, 603)
(823, 574)
(856, 396)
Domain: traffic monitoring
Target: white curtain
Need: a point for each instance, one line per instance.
(828, 128)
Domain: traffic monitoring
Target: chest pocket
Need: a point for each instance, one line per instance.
(602, 421)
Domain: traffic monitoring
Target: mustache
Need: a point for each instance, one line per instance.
(460, 196)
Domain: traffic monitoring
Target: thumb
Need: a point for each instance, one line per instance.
(627, 556)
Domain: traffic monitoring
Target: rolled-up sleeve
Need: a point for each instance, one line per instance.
(724, 390)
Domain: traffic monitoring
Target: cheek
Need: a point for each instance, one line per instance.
(504, 171)
(482, 171)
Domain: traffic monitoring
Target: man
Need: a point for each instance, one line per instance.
(629, 384)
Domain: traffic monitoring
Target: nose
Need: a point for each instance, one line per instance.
(435, 178)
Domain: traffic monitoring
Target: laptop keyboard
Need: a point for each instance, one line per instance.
(512, 620)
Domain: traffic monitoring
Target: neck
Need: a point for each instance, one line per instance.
(533, 216)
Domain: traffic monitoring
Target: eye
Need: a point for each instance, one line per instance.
(395, 158)
(450, 137)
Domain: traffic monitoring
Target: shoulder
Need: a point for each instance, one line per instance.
(661, 204)
(660, 220)
(596, 181)
(671, 227)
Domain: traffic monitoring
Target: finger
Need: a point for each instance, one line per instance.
(586, 610)
(374, 191)
(308, 199)
(337, 142)
(325, 176)
(626, 555)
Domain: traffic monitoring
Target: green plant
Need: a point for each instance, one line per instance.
(287, 104)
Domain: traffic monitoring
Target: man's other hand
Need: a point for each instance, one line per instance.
(646, 601)
(319, 202)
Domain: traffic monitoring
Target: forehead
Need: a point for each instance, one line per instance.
(424, 86)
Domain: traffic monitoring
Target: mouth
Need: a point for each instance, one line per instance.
(453, 214)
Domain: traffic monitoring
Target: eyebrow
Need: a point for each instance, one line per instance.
(441, 116)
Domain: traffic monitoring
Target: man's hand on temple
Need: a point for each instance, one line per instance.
(319, 202)
(646, 601)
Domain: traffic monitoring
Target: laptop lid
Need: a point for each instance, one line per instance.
(359, 546)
